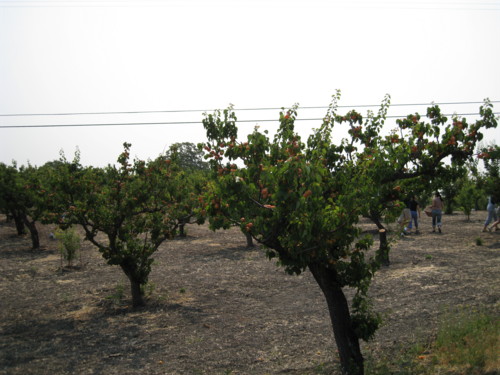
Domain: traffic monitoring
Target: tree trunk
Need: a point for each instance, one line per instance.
(351, 359)
(137, 297)
(182, 233)
(383, 249)
(18, 220)
(35, 238)
(249, 239)
(135, 285)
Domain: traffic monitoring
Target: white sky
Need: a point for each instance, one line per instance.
(102, 56)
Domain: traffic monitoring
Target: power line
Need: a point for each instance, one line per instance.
(79, 4)
(186, 122)
(235, 109)
(445, 5)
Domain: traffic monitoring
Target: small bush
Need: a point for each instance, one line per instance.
(69, 244)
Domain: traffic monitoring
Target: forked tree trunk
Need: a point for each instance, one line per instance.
(19, 222)
(35, 238)
(347, 341)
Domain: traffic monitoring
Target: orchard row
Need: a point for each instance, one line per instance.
(300, 199)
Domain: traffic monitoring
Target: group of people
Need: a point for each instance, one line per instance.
(411, 215)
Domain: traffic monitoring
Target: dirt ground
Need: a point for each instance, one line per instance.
(220, 308)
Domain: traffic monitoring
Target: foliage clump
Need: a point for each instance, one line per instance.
(69, 244)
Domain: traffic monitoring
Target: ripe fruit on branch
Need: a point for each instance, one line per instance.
(265, 193)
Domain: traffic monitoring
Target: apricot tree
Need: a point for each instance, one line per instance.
(130, 204)
(23, 197)
(418, 155)
(302, 201)
(10, 187)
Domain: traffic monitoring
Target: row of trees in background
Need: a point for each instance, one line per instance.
(300, 199)
(136, 204)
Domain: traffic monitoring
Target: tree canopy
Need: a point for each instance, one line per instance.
(303, 200)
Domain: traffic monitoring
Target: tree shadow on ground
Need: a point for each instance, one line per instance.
(108, 335)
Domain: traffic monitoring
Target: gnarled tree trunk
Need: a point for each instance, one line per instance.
(346, 339)
(35, 238)
(19, 222)
(135, 285)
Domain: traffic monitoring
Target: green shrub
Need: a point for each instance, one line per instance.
(69, 244)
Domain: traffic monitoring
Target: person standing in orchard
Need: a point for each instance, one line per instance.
(437, 212)
(414, 214)
(492, 217)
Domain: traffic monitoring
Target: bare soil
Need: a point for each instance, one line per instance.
(220, 308)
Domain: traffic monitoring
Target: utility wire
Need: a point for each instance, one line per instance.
(235, 109)
(186, 122)
(446, 5)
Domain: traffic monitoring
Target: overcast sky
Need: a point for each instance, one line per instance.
(129, 56)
